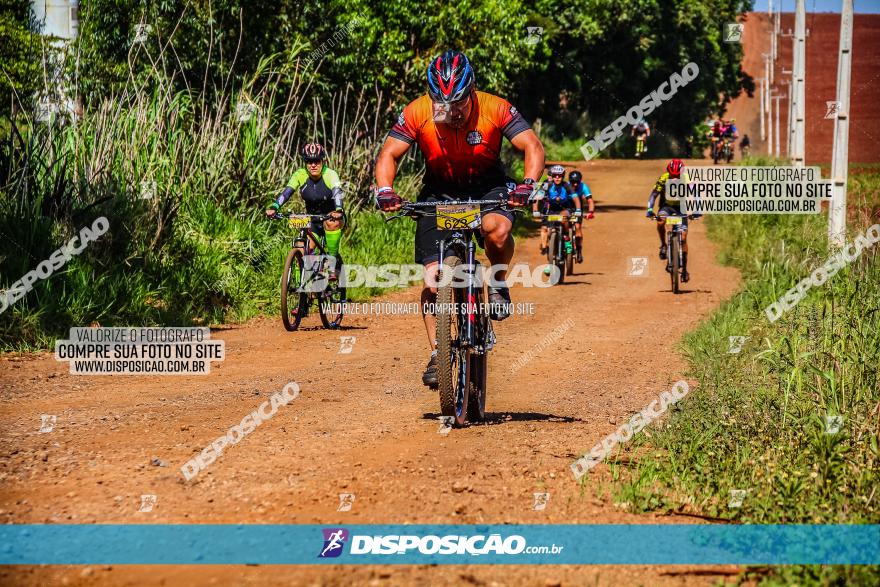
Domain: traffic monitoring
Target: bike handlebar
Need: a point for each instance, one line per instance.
(288, 215)
(419, 208)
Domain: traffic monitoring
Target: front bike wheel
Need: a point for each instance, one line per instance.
(569, 257)
(479, 375)
(555, 254)
(332, 301)
(476, 407)
(294, 304)
(453, 361)
(673, 257)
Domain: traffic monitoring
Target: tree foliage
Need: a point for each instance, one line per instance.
(594, 60)
(20, 49)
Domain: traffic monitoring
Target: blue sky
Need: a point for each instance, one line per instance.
(871, 6)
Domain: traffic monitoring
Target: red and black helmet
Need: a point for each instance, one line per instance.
(450, 77)
(313, 152)
(674, 167)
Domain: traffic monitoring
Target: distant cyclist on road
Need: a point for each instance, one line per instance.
(670, 208)
(321, 191)
(582, 191)
(459, 131)
(641, 131)
(730, 132)
(715, 135)
(745, 145)
(558, 198)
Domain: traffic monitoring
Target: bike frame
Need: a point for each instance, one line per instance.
(674, 231)
(463, 243)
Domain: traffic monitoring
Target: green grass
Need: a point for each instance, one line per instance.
(757, 419)
(200, 250)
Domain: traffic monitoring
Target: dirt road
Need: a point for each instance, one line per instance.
(364, 425)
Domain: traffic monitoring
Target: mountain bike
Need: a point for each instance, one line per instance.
(310, 276)
(464, 330)
(560, 244)
(674, 229)
(727, 150)
(716, 149)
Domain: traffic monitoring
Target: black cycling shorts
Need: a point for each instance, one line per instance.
(428, 236)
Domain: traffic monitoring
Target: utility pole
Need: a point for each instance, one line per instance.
(776, 147)
(59, 20)
(800, 42)
(763, 101)
(766, 93)
(788, 127)
(769, 122)
(840, 155)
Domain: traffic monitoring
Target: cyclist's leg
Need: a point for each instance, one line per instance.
(496, 228)
(661, 228)
(498, 241)
(333, 234)
(427, 249)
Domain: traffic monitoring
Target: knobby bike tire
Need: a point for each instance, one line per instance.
(479, 375)
(293, 303)
(453, 364)
(555, 252)
(673, 251)
(334, 294)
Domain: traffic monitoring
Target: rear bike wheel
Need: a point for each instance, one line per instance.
(332, 299)
(673, 256)
(294, 304)
(453, 361)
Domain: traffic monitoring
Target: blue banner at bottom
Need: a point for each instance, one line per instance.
(647, 544)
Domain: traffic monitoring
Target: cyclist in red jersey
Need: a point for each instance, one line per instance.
(459, 131)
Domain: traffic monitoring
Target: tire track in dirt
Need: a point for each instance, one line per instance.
(365, 425)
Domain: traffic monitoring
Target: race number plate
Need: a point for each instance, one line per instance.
(673, 220)
(458, 217)
(298, 222)
(554, 218)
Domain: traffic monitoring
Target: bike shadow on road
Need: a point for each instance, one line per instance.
(507, 417)
(340, 328)
(617, 207)
(687, 291)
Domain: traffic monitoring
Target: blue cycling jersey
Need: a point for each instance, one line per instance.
(582, 189)
(559, 195)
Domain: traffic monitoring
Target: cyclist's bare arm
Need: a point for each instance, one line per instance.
(386, 164)
(529, 143)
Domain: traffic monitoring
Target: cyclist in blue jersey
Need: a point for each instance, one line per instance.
(558, 197)
(582, 191)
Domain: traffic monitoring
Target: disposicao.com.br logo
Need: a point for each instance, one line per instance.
(451, 544)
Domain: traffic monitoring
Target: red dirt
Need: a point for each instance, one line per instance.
(821, 84)
(365, 425)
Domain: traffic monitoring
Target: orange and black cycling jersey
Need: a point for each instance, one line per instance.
(465, 159)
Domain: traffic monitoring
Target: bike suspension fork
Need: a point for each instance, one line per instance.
(471, 294)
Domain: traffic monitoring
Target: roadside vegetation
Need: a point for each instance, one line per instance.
(788, 426)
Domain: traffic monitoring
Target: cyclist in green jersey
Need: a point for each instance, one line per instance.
(321, 191)
(667, 207)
